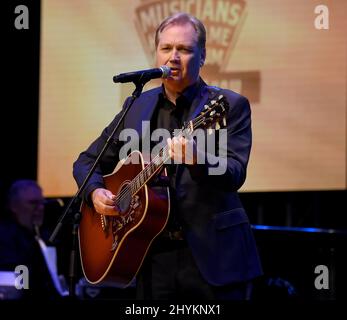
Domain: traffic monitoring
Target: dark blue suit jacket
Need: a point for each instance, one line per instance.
(215, 224)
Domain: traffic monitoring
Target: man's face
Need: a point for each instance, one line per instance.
(28, 207)
(178, 49)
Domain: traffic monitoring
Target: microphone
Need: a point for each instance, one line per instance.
(143, 75)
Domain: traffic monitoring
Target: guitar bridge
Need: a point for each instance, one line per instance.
(104, 222)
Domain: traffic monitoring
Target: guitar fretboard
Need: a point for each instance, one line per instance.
(208, 116)
(149, 171)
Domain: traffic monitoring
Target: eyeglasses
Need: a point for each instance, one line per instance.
(36, 202)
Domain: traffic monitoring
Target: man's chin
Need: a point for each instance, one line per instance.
(174, 78)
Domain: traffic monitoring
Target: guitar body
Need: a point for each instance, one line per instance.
(112, 248)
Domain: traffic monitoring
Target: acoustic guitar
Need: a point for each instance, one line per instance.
(112, 248)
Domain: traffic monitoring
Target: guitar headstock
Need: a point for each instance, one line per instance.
(212, 116)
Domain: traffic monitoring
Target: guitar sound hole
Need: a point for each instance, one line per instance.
(124, 199)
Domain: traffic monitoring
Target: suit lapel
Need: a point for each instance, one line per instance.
(206, 94)
(198, 105)
(142, 110)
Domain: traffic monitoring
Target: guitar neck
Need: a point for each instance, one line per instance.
(206, 117)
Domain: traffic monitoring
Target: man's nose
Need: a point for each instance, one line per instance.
(174, 55)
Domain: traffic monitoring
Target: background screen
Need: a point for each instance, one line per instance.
(293, 73)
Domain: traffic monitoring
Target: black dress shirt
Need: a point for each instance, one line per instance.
(169, 116)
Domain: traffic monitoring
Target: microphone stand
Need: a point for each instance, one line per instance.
(139, 84)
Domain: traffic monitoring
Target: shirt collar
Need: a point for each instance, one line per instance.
(188, 94)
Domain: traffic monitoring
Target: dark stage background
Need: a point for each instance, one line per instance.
(289, 255)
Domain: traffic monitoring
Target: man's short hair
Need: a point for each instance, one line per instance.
(179, 19)
(20, 185)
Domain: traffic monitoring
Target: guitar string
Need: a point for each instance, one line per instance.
(148, 171)
(151, 168)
